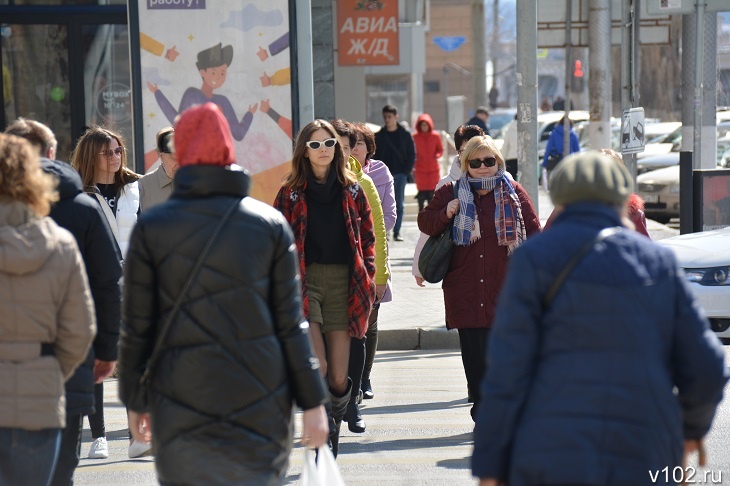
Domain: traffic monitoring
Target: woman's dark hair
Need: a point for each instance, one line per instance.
(301, 166)
(345, 129)
(368, 137)
(466, 132)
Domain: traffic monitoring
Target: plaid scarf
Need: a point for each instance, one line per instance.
(507, 215)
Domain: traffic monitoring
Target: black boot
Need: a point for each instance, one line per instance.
(371, 344)
(339, 407)
(353, 418)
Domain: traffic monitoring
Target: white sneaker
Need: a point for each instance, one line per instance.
(139, 449)
(99, 449)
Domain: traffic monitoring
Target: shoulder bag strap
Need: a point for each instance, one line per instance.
(577, 257)
(144, 380)
(111, 219)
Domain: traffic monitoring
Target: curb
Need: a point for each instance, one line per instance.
(418, 338)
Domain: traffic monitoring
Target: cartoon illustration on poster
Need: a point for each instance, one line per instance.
(229, 52)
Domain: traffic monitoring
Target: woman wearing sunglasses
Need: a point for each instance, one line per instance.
(101, 160)
(330, 216)
(492, 216)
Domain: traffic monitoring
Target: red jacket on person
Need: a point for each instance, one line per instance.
(359, 224)
(429, 148)
(476, 271)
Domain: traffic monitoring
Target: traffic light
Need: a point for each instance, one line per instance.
(578, 82)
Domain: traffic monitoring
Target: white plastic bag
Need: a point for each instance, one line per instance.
(322, 473)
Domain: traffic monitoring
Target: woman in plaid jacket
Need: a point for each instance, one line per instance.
(333, 229)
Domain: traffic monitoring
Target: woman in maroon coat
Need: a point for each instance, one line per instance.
(492, 216)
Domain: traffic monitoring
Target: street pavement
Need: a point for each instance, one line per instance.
(419, 432)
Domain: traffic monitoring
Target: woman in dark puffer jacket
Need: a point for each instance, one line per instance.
(237, 354)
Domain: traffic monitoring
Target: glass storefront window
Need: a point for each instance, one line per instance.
(107, 91)
(35, 78)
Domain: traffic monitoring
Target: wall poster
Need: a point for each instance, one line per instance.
(233, 53)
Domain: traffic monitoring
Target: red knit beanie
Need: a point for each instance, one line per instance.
(203, 136)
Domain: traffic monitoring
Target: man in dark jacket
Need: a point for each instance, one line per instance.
(80, 215)
(223, 379)
(480, 119)
(607, 375)
(394, 147)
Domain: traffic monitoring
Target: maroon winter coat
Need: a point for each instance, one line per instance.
(427, 170)
(476, 271)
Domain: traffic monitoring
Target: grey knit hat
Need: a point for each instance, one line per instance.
(590, 176)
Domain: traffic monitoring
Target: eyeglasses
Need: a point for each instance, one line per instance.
(110, 153)
(316, 144)
(487, 161)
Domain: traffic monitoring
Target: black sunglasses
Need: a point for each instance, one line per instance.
(315, 144)
(487, 161)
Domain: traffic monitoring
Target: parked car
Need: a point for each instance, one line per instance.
(660, 191)
(498, 120)
(657, 162)
(705, 258)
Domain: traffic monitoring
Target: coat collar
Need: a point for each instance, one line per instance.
(210, 180)
(163, 179)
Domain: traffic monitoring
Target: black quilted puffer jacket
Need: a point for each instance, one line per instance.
(237, 354)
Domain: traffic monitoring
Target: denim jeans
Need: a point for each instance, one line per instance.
(399, 185)
(69, 451)
(28, 456)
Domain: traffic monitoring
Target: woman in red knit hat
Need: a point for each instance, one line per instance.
(333, 230)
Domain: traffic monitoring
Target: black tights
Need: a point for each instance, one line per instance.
(96, 420)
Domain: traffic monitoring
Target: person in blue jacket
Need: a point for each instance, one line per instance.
(555, 146)
(617, 376)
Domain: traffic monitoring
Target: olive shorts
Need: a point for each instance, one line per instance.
(328, 287)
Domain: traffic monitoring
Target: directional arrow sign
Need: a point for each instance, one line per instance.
(632, 131)
(449, 43)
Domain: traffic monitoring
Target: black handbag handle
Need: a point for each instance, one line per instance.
(577, 257)
(155, 356)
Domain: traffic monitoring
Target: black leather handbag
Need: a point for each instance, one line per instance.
(433, 262)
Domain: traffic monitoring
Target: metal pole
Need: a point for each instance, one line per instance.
(699, 79)
(627, 47)
(599, 78)
(305, 63)
(526, 77)
(494, 49)
(480, 52)
(568, 75)
(446, 97)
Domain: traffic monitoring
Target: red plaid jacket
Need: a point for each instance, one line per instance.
(359, 224)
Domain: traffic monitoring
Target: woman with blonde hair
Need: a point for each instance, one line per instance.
(46, 317)
(100, 157)
(492, 216)
(333, 228)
